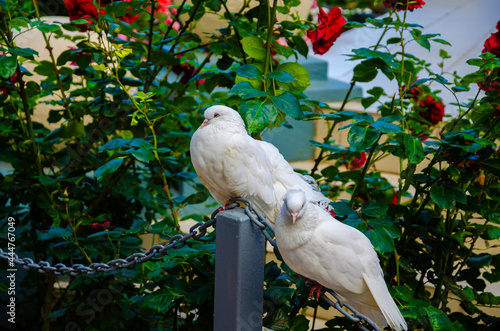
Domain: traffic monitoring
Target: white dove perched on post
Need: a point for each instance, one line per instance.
(232, 164)
(337, 256)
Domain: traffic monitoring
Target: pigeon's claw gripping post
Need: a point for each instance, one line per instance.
(315, 287)
(228, 203)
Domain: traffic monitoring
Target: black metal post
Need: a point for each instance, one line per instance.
(239, 273)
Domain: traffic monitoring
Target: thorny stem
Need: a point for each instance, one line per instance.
(150, 125)
(151, 23)
(176, 19)
(236, 32)
(54, 64)
(492, 126)
(386, 28)
(465, 113)
(270, 30)
(26, 108)
(401, 94)
(363, 172)
(192, 49)
(330, 131)
(156, 69)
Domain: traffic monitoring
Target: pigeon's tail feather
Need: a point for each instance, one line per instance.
(313, 193)
(386, 303)
(373, 313)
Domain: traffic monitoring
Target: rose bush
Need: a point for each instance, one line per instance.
(108, 162)
(402, 5)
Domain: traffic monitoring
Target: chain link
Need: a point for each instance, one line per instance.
(178, 241)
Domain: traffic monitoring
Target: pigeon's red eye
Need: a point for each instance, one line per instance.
(216, 115)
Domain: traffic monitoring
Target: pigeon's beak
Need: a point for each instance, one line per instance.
(205, 122)
(294, 217)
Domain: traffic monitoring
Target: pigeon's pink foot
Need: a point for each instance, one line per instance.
(228, 202)
(315, 287)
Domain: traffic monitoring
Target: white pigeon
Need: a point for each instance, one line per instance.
(232, 164)
(337, 256)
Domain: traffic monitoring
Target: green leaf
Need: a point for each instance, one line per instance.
(127, 143)
(422, 40)
(438, 320)
(488, 298)
(45, 68)
(195, 198)
(381, 241)
(441, 197)
(254, 47)
(24, 52)
(342, 208)
(386, 127)
(112, 234)
(57, 313)
(8, 65)
(365, 71)
(480, 261)
(258, 115)
(245, 90)
(108, 168)
(441, 41)
(456, 192)
(56, 232)
(394, 40)
(300, 45)
(288, 104)
(492, 165)
(281, 76)
(18, 23)
(142, 155)
(362, 137)
(414, 149)
(249, 71)
(74, 128)
(374, 209)
(48, 28)
(299, 73)
(350, 25)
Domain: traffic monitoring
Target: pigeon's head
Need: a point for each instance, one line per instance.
(295, 203)
(222, 116)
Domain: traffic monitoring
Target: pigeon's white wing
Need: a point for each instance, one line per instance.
(357, 269)
(286, 178)
(345, 252)
(247, 171)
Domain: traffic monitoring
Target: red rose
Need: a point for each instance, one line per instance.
(431, 109)
(394, 200)
(87, 10)
(82, 9)
(492, 45)
(400, 5)
(428, 106)
(99, 226)
(187, 71)
(355, 162)
(329, 29)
